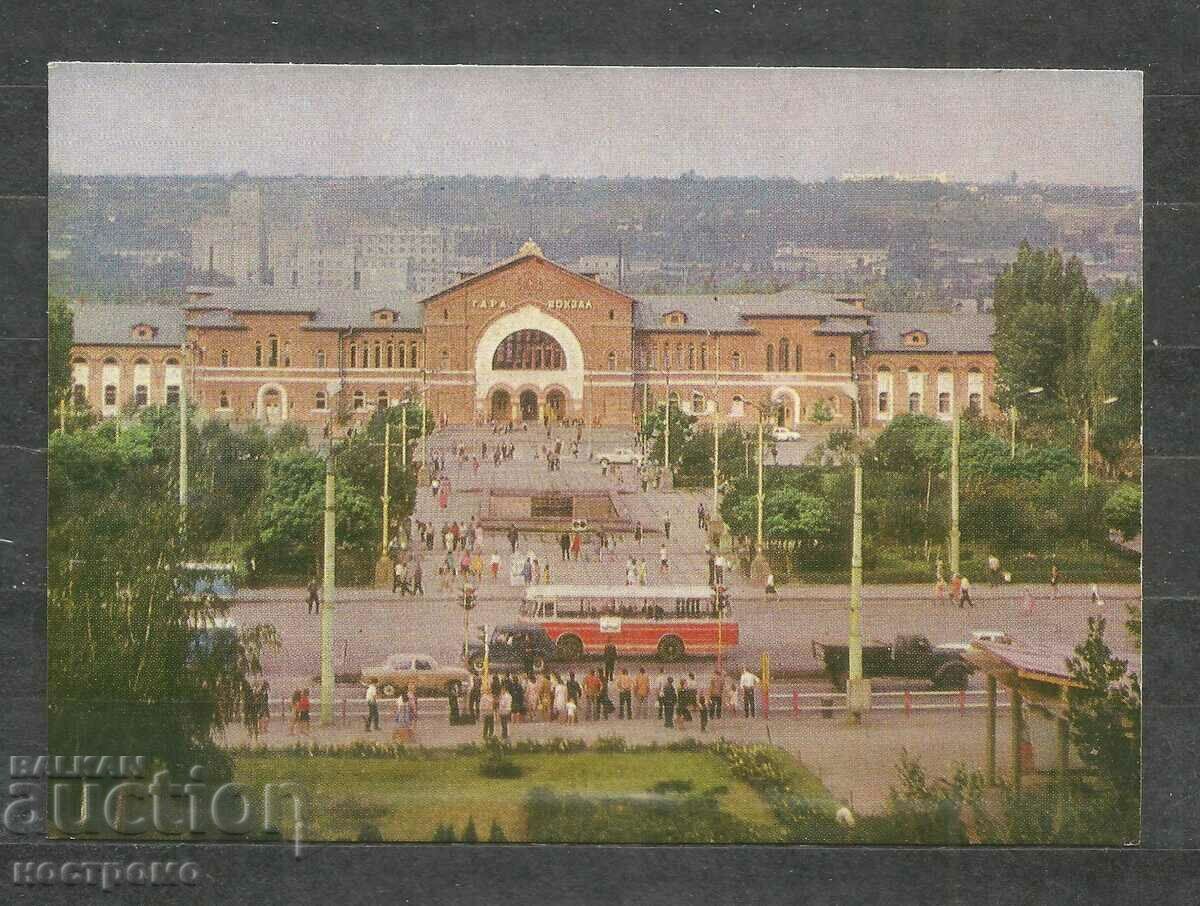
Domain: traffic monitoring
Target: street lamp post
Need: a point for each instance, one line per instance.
(666, 482)
(759, 568)
(1087, 441)
(383, 568)
(858, 689)
(716, 526)
(327, 606)
(183, 434)
(954, 537)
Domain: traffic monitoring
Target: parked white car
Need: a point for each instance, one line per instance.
(622, 456)
(781, 433)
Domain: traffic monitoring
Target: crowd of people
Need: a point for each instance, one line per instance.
(605, 693)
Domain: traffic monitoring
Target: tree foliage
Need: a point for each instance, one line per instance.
(1123, 511)
(1106, 729)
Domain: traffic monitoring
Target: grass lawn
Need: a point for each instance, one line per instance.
(407, 798)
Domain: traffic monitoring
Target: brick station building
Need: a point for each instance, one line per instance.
(525, 340)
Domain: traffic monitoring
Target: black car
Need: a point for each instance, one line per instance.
(523, 645)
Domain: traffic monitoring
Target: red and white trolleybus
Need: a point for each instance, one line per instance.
(669, 621)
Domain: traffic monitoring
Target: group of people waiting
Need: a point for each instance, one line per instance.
(511, 698)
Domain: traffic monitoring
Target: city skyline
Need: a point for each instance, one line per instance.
(278, 120)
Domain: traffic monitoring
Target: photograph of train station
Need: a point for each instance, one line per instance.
(643, 470)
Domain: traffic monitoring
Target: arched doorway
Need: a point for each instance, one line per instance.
(529, 406)
(501, 406)
(272, 406)
(556, 405)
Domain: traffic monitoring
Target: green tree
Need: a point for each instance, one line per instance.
(1123, 511)
(60, 324)
(1115, 363)
(126, 673)
(1044, 321)
(682, 429)
(291, 520)
(1105, 712)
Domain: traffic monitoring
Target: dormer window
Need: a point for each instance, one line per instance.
(144, 331)
(674, 318)
(916, 339)
(384, 316)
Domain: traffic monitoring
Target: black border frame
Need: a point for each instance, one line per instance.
(1158, 37)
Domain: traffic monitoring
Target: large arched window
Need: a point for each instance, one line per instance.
(612, 361)
(529, 350)
(799, 358)
(832, 359)
(353, 355)
(784, 354)
(224, 358)
(320, 358)
(412, 355)
(770, 357)
(272, 351)
(691, 359)
(735, 362)
(223, 400)
(257, 354)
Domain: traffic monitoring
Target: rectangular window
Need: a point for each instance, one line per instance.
(141, 395)
(172, 394)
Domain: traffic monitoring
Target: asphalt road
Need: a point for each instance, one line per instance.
(371, 625)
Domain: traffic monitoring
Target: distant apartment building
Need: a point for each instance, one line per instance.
(328, 249)
(793, 258)
(232, 245)
(605, 268)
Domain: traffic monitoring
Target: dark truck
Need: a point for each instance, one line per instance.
(910, 656)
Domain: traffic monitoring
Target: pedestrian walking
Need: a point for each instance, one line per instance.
(625, 695)
(591, 696)
(610, 660)
(939, 591)
(770, 584)
(1097, 601)
(564, 545)
(747, 684)
(965, 593)
(314, 596)
(956, 589)
(504, 707)
(683, 702)
(372, 706)
(1055, 577)
(659, 686)
(1027, 600)
(305, 705)
(993, 563)
(667, 528)
(641, 571)
(417, 585)
(716, 689)
(641, 692)
(399, 579)
(576, 546)
(702, 708)
(495, 564)
(669, 699)
(663, 566)
(487, 707)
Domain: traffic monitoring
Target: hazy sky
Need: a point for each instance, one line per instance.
(1069, 127)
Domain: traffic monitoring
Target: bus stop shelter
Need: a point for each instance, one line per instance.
(1035, 676)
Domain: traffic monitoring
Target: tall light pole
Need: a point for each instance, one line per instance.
(716, 525)
(183, 436)
(667, 482)
(328, 593)
(383, 568)
(858, 689)
(759, 568)
(1087, 441)
(954, 539)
